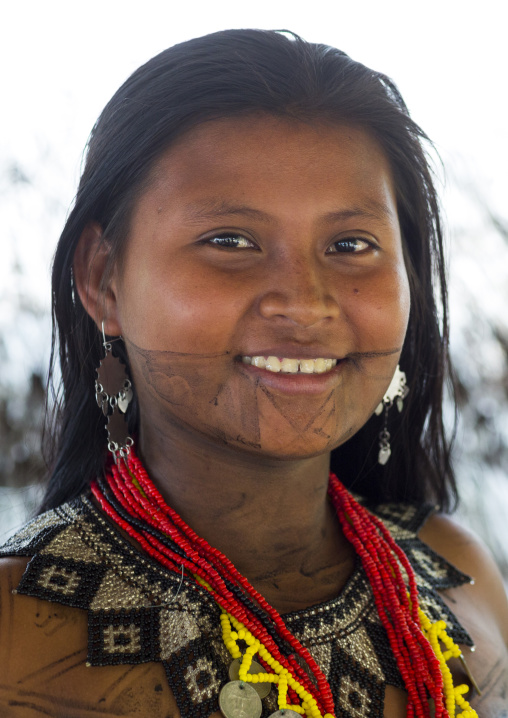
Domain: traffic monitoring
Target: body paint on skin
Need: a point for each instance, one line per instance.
(211, 393)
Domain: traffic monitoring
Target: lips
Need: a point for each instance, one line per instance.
(291, 365)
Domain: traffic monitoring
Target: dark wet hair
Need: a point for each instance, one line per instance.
(229, 74)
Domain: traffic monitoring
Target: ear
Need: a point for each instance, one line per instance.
(91, 260)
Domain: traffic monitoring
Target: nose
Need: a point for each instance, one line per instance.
(299, 293)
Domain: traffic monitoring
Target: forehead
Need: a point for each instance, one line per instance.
(276, 160)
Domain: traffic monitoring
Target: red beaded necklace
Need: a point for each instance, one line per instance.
(132, 502)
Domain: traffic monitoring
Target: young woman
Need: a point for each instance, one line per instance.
(248, 274)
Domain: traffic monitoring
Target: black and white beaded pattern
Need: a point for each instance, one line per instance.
(138, 612)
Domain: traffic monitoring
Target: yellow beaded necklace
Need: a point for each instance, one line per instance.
(454, 695)
(233, 631)
(280, 676)
(414, 640)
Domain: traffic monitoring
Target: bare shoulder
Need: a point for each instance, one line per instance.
(481, 607)
(464, 550)
(43, 664)
(11, 571)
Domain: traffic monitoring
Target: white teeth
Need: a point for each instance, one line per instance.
(273, 364)
(259, 362)
(291, 366)
(307, 366)
(320, 366)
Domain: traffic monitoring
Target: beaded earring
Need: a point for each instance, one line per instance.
(113, 394)
(395, 394)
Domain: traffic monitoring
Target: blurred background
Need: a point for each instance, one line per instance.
(62, 61)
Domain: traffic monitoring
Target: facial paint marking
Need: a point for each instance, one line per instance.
(177, 377)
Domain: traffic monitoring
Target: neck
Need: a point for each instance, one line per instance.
(271, 518)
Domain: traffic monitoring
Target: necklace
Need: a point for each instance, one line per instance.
(131, 501)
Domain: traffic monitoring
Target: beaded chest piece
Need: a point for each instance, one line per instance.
(139, 612)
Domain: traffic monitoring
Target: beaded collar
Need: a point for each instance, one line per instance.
(138, 612)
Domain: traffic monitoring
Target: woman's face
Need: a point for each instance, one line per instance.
(263, 238)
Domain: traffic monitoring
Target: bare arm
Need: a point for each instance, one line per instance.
(43, 671)
(482, 608)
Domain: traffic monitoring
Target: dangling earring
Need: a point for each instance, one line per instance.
(396, 393)
(113, 393)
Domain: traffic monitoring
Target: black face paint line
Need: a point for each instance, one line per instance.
(211, 395)
(206, 387)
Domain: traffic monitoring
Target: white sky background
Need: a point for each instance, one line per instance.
(60, 62)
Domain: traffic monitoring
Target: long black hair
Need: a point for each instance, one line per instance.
(228, 74)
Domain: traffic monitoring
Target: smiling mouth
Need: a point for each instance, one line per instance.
(285, 365)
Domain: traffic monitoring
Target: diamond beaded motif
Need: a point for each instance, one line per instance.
(138, 612)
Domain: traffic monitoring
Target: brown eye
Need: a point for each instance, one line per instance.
(350, 245)
(231, 241)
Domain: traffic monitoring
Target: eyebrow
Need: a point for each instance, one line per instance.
(212, 209)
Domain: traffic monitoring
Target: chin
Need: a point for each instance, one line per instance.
(294, 448)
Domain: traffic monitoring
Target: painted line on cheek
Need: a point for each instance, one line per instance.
(319, 412)
(285, 413)
(166, 354)
(243, 409)
(282, 414)
(374, 354)
(251, 417)
(161, 370)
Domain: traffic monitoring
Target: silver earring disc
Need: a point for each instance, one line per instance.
(123, 403)
(384, 455)
(262, 689)
(239, 700)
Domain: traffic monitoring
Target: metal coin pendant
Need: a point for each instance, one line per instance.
(239, 700)
(125, 397)
(384, 455)
(123, 404)
(262, 689)
(285, 713)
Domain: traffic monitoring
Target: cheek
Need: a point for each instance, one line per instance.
(176, 309)
(379, 310)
